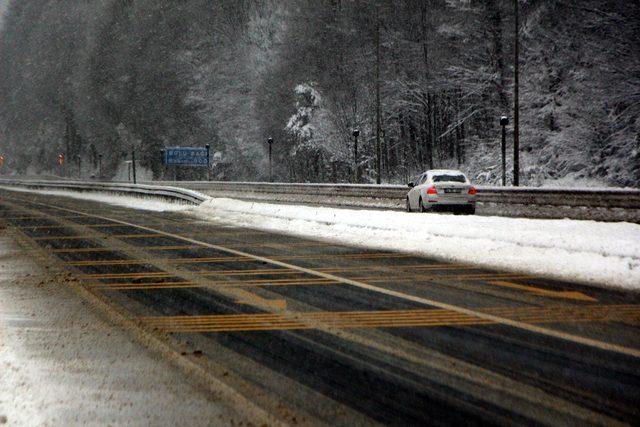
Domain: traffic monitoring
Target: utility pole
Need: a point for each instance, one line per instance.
(378, 147)
(270, 142)
(504, 121)
(516, 101)
(356, 167)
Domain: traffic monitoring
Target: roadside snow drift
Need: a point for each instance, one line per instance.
(133, 202)
(605, 254)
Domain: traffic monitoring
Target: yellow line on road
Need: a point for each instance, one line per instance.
(233, 283)
(543, 292)
(205, 260)
(99, 236)
(383, 319)
(602, 345)
(104, 249)
(47, 227)
(141, 275)
(386, 319)
(245, 297)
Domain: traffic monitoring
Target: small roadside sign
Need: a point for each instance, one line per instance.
(186, 156)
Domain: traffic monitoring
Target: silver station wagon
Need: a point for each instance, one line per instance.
(441, 189)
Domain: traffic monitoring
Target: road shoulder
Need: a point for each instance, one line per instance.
(63, 364)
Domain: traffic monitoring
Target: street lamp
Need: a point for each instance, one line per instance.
(270, 142)
(504, 121)
(208, 147)
(516, 99)
(356, 133)
(133, 162)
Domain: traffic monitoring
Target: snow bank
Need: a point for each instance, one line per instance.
(137, 202)
(598, 253)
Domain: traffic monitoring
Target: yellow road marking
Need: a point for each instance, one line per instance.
(15, 218)
(283, 271)
(390, 292)
(204, 260)
(134, 236)
(544, 292)
(99, 236)
(104, 249)
(139, 275)
(183, 284)
(47, 227)
(186, 247)
(245, 297)
(387, 319)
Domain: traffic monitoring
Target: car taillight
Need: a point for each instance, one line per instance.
(473, 191)
(432, 190)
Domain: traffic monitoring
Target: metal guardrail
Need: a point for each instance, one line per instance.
(395, 194)
(160, 191)
(597, 204)
(580, 203)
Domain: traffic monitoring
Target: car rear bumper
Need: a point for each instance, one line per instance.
(451, 201)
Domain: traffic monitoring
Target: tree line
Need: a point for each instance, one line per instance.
(423, 81)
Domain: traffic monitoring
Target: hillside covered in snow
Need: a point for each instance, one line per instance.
(424, 81)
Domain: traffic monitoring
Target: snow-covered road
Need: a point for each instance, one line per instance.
(597, 253)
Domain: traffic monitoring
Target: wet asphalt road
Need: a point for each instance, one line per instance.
(316, 333)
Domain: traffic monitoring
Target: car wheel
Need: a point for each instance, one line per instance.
(422, 207)
(408, 205)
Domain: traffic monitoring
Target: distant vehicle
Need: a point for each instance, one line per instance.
(441, 189)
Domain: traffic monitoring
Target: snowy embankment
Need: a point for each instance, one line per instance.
(598, 253)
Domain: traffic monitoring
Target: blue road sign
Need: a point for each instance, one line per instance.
(186, 156)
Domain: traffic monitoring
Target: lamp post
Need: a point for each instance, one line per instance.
(100, 166)
(270, 142)
(208, 147)
(516, 99)
(79, 166)
(356, 167)
(504, 121)
(133, 162)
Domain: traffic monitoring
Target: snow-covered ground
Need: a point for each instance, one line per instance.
(597, 253)
(606, 254)
(63, 364)
(147, 204)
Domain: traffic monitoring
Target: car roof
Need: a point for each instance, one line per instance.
(444, 172)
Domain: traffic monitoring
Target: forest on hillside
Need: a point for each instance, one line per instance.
(424, 81)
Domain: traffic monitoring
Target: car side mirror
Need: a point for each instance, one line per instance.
(410, 184)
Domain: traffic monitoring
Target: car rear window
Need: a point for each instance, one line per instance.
(449, 178)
